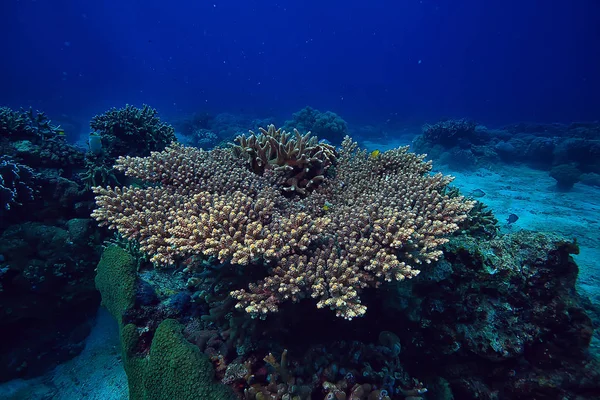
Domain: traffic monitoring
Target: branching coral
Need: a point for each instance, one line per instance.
(374, 220)
(132, 130)
(16, 183)
(26, 124)
(301, 159)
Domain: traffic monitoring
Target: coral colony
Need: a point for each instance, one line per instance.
(263, 201)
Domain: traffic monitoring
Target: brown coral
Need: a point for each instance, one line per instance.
(301, 159)
(375, 220)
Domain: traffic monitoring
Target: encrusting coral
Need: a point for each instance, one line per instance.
(373, 219)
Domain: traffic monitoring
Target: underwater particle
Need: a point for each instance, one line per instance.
(477, 193)
(420, 61)
(512, 218)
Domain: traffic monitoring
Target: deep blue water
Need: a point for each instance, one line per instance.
(408, 61)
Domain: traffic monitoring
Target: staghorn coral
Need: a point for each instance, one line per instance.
(301, 159)
(375, 220)
(17, 183)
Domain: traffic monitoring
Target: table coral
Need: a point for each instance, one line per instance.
(371, 220)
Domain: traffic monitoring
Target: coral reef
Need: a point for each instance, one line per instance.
(118, 132)
(499, 319)
(17, 183)
(131, 130)
(25, 124)
(47, 293)
(542, 146)
(375, 220)
(566, 176)
(480, 221)
(265, 369)
(48, 246)
(451, 132)
(32, 139)
(491, 319)
(326, 125)
(169, 366)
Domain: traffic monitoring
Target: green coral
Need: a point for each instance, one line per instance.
(133, 248)
(115, 280)
(134, 365)
(174, 368)
(178, 370)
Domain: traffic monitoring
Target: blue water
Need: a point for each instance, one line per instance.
(406, 61)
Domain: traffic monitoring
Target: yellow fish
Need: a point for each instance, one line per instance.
(60, 132)
(375, 154)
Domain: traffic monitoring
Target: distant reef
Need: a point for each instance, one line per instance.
(569, 152)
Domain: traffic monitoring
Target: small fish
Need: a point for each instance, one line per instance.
(60, 132)
(327, 206)
(375, 154)
(512, 218)
(477, 193)
(325, 141)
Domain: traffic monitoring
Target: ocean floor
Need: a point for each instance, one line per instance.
(97, 374)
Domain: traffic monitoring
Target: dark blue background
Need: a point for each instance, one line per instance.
(369, 60)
